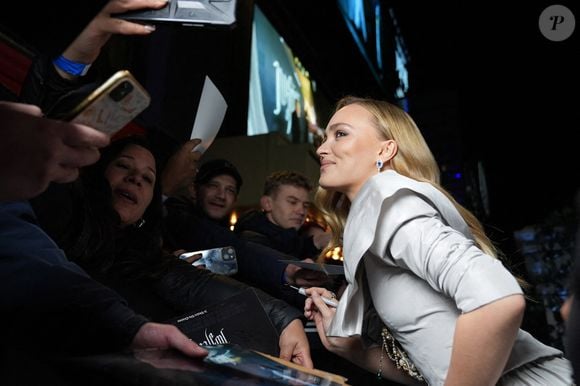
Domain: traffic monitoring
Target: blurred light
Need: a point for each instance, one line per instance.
(335, 254)
(233, 220)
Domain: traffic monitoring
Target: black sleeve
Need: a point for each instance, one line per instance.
(188, 288)
(309, 249)
(44, 87)
(51, 302)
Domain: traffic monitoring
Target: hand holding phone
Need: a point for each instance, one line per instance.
(218, 260)
(112, 105)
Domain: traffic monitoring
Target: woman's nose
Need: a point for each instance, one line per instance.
(133, 178)
(322, 149)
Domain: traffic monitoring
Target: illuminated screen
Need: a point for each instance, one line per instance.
(282, 94)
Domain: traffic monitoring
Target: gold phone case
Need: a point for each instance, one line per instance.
(113, 104)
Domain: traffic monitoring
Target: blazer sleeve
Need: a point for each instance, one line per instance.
(450, 262)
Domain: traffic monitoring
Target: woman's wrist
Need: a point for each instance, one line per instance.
(70, 68)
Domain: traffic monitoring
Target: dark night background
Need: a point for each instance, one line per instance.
(515, 94)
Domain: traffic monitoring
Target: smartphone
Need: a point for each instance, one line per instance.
(112, 105)
(218, 260)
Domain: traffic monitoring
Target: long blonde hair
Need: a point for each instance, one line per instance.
(413, 159)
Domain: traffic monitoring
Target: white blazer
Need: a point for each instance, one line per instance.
(409, 253)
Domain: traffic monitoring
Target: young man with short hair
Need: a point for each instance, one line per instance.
(284, 204)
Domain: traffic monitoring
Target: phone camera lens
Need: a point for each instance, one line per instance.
(121, 91)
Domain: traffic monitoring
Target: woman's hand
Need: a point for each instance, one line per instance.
(87, 45)
(315, 309)
(322, 314)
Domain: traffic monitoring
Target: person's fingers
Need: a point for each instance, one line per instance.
(77, 157)
(326, 311)
(193, 258)
(179, 252)
(321, 292)
(308, 305)
(76, 135)
(304, 359)
(179, 341)
(64, 174)
(125, 27)
(118, 6)
(191, 144)
(286, 352)
(23, 108)
(309, 309)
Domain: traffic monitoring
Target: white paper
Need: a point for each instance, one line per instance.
(210, 115)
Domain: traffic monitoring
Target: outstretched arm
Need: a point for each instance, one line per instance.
(87, 45)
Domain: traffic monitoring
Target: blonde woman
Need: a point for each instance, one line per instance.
(449, 310)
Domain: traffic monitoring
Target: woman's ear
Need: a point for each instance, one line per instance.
(389, 149)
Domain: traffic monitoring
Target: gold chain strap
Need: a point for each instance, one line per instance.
(398, 356)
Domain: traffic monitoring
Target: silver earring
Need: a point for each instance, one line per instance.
(379, 164)
(140, 223)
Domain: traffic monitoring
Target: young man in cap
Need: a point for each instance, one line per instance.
(216, 190)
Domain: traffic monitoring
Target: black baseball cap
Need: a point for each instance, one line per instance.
(218, 167)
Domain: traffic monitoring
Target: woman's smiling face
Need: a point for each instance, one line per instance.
(349, 153)
(131, 176)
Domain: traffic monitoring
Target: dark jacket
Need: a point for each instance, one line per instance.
(160, 286)
(50, 303)
(255, 226)
(258, 265)
(55, 95)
